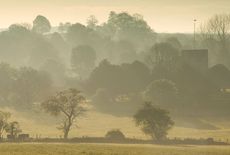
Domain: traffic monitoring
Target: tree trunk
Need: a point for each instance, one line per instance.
(66, 133)
(67, 128)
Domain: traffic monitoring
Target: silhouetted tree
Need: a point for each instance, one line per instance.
(115, 134)
(219, 75)
(123, 26)
(153, 121)
(92, 22)
(31, 86)
(26, 47)
(19, 38)
(162, 92)
(20, 29)
(4, 117)
(193, 86)
(217, 28)
(83, 60)
(78, 34)
(132, 77)
(69, 104)
(163, 55)
(41, 51)
(174, 42)
(41, 24)
(13, 129)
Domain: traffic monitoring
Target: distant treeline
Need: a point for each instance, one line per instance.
(117, 65)
(186, 141)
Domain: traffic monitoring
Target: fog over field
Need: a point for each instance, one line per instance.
(147, 72)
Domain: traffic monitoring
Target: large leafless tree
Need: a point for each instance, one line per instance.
(217, 30)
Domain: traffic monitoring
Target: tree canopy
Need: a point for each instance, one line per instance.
(41, 24)
(69, 104)
(153, 121)
(115, 134)
(83, 60)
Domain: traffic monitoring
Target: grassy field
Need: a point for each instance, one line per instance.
(90, 126)
(107, 149)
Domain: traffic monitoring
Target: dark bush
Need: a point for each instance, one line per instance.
(115, 134)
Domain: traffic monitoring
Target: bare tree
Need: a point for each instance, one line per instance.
(217, 29)
(69, 104)
(162, 56)
(218, 26)
(92, 22)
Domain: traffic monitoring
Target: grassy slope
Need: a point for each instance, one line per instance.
(104, 149)
(97, 124)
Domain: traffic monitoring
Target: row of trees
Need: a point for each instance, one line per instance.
(123, 38)
(117, 39)
(152, 71)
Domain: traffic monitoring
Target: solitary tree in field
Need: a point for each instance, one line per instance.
(154, 122)
(4, 116)
(115, 134)
(68, 104)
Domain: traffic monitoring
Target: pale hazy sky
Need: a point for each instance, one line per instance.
(162, 15)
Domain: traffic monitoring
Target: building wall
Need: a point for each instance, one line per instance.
(197, 59)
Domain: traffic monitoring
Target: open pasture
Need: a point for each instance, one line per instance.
(109, 149)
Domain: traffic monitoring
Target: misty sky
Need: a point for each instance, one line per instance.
(162, 15)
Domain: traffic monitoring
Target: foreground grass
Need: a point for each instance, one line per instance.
(107, 149)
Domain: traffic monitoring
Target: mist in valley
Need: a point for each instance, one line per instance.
(115, 71)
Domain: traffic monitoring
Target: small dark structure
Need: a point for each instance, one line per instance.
(23, 137)
(10, 137)
(20, 137)
(196, 58)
